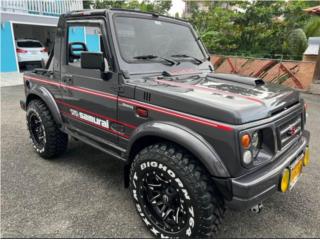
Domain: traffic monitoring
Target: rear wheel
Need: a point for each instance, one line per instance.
(47, 139)
(173, 193)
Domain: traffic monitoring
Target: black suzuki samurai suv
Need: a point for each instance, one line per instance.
(140, 87)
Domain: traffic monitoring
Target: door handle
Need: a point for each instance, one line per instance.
(67, 79)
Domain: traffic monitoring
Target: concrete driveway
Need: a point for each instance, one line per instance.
(81, 194)
(11, 79)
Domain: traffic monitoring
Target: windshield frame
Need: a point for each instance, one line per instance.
(155, 65)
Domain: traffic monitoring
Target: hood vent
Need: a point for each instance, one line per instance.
(147, 96)
(237, 78)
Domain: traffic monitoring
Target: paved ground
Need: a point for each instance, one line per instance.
(11, 79)
(81, 194)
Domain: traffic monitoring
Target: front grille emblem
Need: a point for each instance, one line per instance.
(292, 131)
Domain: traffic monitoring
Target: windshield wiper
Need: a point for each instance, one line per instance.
(150, 57)
(187, 56)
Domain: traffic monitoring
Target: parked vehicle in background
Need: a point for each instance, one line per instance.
(31, 52)
(140, 87)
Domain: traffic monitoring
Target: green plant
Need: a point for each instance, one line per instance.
(297, 42)
(312, 27)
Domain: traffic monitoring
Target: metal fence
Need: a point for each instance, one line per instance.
(43, 7)
(296, 74)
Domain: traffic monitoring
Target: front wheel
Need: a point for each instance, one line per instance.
(47, 139)
(173, 194)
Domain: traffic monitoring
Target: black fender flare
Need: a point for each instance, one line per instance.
(48, 99)
(186, 138)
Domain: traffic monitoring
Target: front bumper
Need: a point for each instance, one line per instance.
(251, 189)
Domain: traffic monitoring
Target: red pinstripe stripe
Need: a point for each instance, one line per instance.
(139, 104)
(93, 92)
(179, 115)
(95, 114)
(94, 125)
(41, 80)
(203, 88)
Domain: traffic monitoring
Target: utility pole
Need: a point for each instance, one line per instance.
(316, 75)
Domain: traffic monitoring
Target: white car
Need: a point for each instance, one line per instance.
(31, 52)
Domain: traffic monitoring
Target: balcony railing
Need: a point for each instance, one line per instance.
(43, 7)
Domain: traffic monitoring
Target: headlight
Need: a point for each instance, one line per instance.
(255, 139)
(256, 143)
(247, 157)
(260, 142)
(251, 144)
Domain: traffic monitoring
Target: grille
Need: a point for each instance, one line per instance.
(147, 96)
(288, 130)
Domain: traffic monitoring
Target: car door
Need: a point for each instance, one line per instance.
(89, 104)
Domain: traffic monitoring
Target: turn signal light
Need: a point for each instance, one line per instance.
(245, 141)
(285, 180)
(306, 159)
(44, 50)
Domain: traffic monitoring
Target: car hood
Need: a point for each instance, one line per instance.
(230, 99)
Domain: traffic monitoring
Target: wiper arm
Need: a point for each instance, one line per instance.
(187, 56)
(150, 57)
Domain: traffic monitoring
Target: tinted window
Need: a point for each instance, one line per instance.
(151, 37)
(29, 44)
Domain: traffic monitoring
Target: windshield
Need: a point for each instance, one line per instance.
(143, 37)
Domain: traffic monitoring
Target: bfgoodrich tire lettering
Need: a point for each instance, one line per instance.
(51, 142)
(167, 176)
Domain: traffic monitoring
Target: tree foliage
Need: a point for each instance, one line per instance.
(297, 42)
(157, 6)
(256, 28)
(312, 28)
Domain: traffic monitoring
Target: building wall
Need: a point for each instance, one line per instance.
(82, 34)
(31, 12)
(93, 39)
(8, 21)
(76, 34)
(8, 54)
(11, 31)
(310, 58)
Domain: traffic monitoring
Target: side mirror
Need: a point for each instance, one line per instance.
(92, 60)
(75, 49)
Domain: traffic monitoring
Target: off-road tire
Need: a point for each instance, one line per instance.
(55, 141)
(205, 205)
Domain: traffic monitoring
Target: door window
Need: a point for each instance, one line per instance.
(84, 38)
